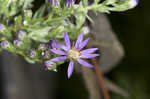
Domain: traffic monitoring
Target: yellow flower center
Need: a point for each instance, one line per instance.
(73, 54)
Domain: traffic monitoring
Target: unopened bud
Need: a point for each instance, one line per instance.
(133, 3)
(17, 42)
(4, 44)
(48, 63)
(43, 46)
(46, 54)
(32, 53)
(21, 34)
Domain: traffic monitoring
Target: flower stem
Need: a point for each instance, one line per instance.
(100, 77)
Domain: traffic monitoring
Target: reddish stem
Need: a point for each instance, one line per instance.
(100, 79)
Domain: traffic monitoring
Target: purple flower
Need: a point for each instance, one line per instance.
(4, 44)
(74, 53)
(69, 3)
(21, 34)
(54, 3)
(54, 45)
(17, 42)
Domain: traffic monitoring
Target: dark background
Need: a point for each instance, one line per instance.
(132, 28)
(131, 74)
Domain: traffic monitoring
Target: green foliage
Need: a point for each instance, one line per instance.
(47, 22)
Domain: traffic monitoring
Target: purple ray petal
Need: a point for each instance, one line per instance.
(53, 44)
(67, 40)
(70, 68)
(84, 63)
(69, 3)
(56, 2)
(63, 47)
(79, 40)
(57, 59)
(89, 55)
(88, 51)
(82, 45)
(58, 52)
(51, 2)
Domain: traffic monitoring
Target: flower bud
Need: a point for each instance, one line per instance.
(17, 42)
(21, 34)
(43, 46)
(4, 44)
(32, 53)
(86, 30)
(48, 63)
(46, 54)
(1, 27)
(133, 3)
(28, 13)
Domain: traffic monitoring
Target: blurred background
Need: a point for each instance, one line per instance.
(132, 29)
(20, 80)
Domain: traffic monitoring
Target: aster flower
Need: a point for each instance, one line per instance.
(74, 53)
(69, 3)
(54, 3)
